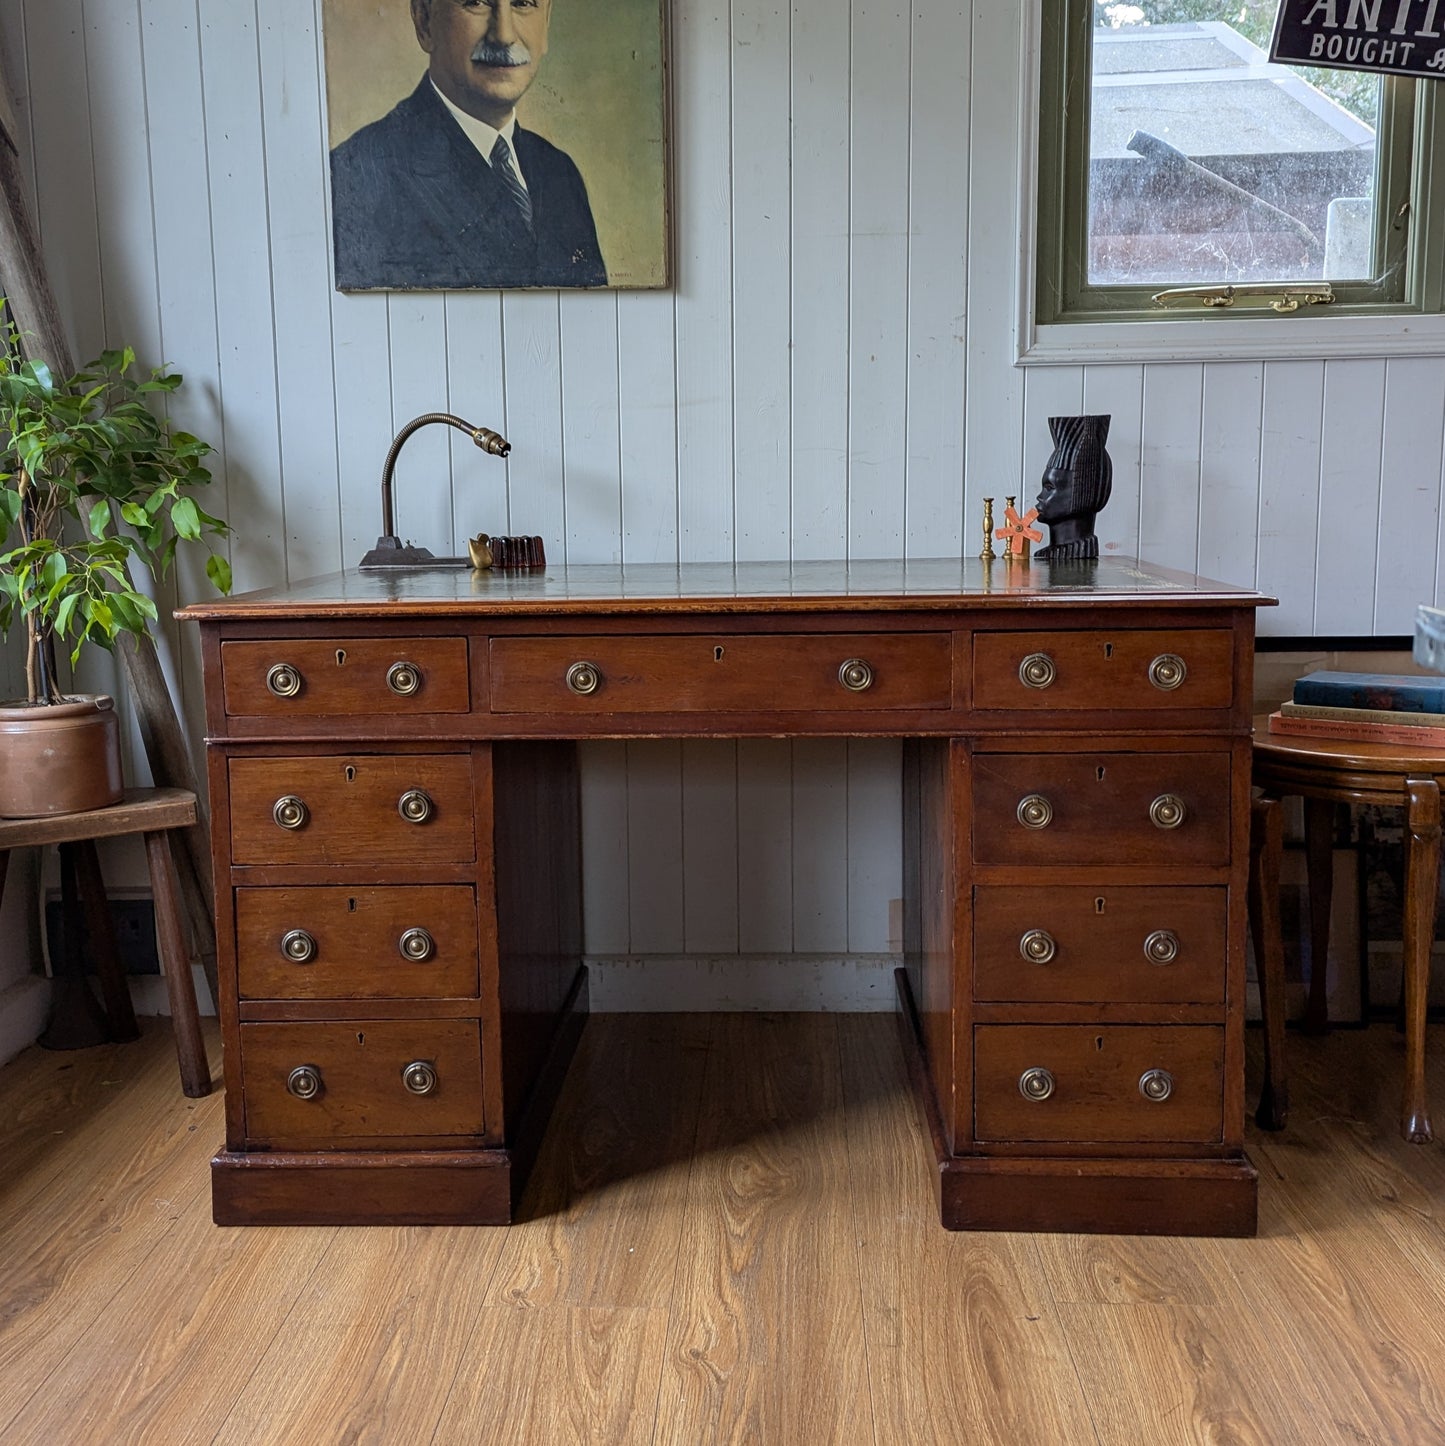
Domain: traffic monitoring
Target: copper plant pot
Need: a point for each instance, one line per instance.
(59, 757)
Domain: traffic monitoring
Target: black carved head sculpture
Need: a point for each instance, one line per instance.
(1076, 485)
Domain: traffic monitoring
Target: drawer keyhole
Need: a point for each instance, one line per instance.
(1108, 650)
(1098, 906)
(360, 1038)
(717, 655)
(1099, 1042)
(340, 657)
(350, 774)
(1100, 774)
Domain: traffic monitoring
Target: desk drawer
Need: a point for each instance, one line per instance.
(765, 673)
(307, 677)
(1169, 809)
(357, 1081)
(1099, 1084)
(1104, 669)
(357, 943)
(352, 809)
(1067, 945)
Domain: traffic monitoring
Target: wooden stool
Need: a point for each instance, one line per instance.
(152, 812)
(1326, 771)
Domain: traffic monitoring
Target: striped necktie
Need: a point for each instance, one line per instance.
(506, 172)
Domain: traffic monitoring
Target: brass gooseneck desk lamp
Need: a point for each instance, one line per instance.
(484, 551)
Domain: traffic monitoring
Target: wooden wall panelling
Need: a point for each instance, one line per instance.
(417, 335)
(765, 846)
(1289, 489)
(875, 814)
(1169, 511)
(820, 846)
(1229, 470)
(592, 462)
(300, 235)
(236, 167)
(703, 249)
(1118, 391)
(535, 478)
(186, 296)
(603, 765)
(993, 388)
(477, 392)
(761, 281)
(647, 417)
(365, 421)
(938, 98)
(820, 263)
(1347, 552)
(878, 281)
(654, 847)
(1409, 521)
(710, 845)
(1048, 392)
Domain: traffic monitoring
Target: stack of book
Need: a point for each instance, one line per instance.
(1368, 707)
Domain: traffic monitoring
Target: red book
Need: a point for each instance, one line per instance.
(1430, 740)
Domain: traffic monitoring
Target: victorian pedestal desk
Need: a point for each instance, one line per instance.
(393, 775)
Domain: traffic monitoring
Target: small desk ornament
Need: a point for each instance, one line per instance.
(1076, 485)
(1017, 532)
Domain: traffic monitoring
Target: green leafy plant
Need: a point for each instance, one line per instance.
(93, 486)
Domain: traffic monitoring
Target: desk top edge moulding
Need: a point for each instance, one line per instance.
(396, 833)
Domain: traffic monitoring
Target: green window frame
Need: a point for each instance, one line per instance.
(1409, 238)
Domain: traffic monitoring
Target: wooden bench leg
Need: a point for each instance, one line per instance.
(1422, 879)
(76, 1018)
(176, 961)
(104, 955)
(1266, 844)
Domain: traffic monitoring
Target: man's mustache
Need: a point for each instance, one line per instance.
(487, 52)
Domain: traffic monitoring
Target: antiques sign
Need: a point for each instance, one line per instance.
(1392, 37)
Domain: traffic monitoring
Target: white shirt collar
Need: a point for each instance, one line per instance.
(481, 135)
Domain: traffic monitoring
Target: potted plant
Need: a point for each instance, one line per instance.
(94, 487)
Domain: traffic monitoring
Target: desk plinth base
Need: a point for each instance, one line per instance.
(462, 1187)
(1087, 1195)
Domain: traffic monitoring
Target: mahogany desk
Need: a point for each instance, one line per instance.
(393, 776)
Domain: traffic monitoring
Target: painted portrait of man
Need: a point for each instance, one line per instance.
(469, 179)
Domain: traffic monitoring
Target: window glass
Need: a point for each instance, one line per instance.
(1208, 164)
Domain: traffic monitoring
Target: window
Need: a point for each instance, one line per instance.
(1176, 163)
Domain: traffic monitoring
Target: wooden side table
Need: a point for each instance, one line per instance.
(152, 812)
(1326, 771)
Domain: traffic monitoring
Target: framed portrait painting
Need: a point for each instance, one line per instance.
(486, 144)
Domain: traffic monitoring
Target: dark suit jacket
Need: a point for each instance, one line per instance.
(414, 206)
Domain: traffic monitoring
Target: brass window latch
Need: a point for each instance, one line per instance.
(1283, 298)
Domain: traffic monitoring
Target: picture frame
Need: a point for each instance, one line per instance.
(420, 199)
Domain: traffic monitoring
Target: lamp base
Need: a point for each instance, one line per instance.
(389, 552)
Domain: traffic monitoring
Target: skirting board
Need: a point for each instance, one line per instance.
(738, 983)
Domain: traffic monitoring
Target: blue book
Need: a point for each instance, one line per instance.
(1396, 692)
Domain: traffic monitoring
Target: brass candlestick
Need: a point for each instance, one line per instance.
(988, 554)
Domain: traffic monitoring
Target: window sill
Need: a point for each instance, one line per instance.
(1236, 338)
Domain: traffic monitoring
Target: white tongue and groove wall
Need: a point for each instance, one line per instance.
(831, 375)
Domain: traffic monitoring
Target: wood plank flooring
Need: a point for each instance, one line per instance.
(730, 1237)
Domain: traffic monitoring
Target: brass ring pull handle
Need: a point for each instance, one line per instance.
(420, 1077)
(416, 945)
(415, 805)
(403, 679)
(1162, 946)
(298, 946)
(1037, 946)
(856, 675)
(283, 680)
(1167, 672)
(304, 1082)
(1035, 811)
(1167, 811)
(1036, 1083)
(1037, 671)
(289, 812)
(1156, 1085)
(584, 678)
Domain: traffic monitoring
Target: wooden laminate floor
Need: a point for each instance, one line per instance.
(731, 1238)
